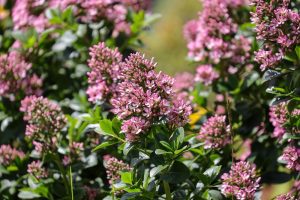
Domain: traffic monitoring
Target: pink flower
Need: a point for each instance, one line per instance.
(241, 182)
(45, 119)
(42, 114)
(215, 133)
(291, 155)
(35, 168)
(206, 74)
(278, 117)
(102, 78)
(113, 168)
(208, 36)
(133, 127)
(15, 77)
(179, 113)
(9, 154)
(183, 82)
(26, 14)
(277, 26)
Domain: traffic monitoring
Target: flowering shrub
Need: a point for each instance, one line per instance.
(85, 116)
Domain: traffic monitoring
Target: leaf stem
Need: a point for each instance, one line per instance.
(62, 171)
(71, 183)
(167, 190)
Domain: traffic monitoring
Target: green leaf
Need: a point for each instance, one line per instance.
(127, 148)
(161, 152)
(104, 145)
(212, 172)
(291, 56)
(177, 138)
(130, 195)
(116, 125)
(297, 50)
(28, 195)
(178, 173)
(12, 168)
(126, 177)
(215, 194)
(156, 170)
(106, 127)
(166, 145)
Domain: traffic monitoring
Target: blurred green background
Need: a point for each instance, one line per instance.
(164, 41)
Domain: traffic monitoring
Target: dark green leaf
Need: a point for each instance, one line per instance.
(178, 173)
(215, 194)
(156, 170)
(212, 172)
(104, 144)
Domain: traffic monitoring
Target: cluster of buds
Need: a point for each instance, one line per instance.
(9, 154)
(45, 119)
(213, 38)
(29, 13)
(241, 182)
(215, 133)
(113, 168)
(15, 78)
(277, 25)
(139, 95)
(35, 168)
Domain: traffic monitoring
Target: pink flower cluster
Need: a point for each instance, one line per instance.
(278, 117)
(104, 64)
(208, 35)
(35, 168)
(142, 93)
(113, 168)
(75, 151)
(277, 25)
(15, 78)
(45, 119)
(31, 13)
(183, 84)
(139, 95)
(241, 182)
(215, 133)
(206, 74)
(9, 154)
(42, 115)
(291, 155)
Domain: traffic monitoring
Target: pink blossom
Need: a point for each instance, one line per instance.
(35, 168)
(206, 74)
(241, 182)
(278, 117)
(42, 114)
(215, 133)
(9, 154)
(277, 26)
(113, 168)
(207, 36)
(133, 127)
(15, 76)
(102, 78)
(291, 155)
